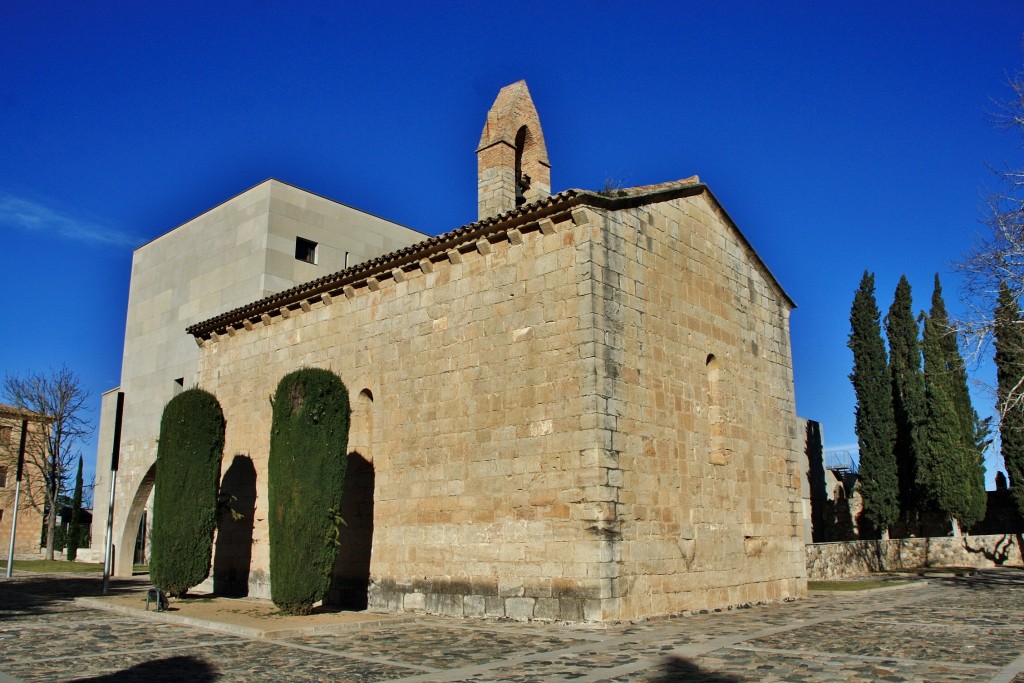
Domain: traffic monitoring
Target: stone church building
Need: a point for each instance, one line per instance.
(579, 407)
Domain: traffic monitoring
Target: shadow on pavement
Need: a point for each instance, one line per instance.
(681, 670)
(987, 579)
(27, 594)
(169, 669)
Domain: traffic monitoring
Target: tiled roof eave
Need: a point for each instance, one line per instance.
(551, 207)
(431, 247)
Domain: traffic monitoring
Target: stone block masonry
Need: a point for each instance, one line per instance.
(859, 558)
(544, 437)
(32, 499)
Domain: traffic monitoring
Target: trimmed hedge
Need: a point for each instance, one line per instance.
(185, 500)
(308, 447)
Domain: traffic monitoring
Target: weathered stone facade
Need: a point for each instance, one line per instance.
(512, 157)
(579, 407)
(32, 499)
(580, 410)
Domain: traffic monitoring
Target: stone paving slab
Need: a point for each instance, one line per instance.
(913, 641)
(957, 629)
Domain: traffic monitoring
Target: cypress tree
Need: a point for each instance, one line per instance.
(1009, 357)
(908, 404)
(74, 533)
(188, 460)
(876, 429)
(308, 459)
(952, 471)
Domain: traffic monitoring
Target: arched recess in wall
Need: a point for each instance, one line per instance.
(718, 451)
(352, 566)
(124, 548)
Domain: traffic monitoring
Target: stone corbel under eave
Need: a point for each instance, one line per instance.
(580, 216)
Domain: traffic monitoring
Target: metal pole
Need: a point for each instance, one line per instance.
(108, 552)
(114, 457)
(14, 530)
(17, 496)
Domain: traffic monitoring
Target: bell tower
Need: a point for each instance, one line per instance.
(512, 159)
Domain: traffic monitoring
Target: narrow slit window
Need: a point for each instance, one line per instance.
(305, 250)
(716, 411)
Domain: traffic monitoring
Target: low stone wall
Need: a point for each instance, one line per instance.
(858, 558)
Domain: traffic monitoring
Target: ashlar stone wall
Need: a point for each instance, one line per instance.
(536, 407)
(476, 442)
(698, 408)
(32, 497)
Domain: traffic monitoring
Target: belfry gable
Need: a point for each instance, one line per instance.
(512, 158)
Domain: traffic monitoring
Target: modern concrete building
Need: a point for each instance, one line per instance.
(261, 242)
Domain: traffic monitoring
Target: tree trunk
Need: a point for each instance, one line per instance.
(51, 524)
(885, 534)
(51, 519)
(956, 528)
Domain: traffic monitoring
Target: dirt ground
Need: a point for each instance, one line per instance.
(245, 615)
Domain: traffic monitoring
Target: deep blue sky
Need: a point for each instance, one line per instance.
(839, 136)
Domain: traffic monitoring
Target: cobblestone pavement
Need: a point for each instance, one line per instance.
(951, 629)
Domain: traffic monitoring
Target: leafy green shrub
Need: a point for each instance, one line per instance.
(185, 498)
(308, 446)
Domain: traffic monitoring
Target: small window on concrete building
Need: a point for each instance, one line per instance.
(3, 477)
(305, 250)
(6, 435)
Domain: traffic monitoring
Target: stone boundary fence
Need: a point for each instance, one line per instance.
(859, 558)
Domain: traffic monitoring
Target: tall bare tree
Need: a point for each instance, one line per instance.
(60, 397)
(997, 260)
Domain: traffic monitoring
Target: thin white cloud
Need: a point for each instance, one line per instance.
(30, 216)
